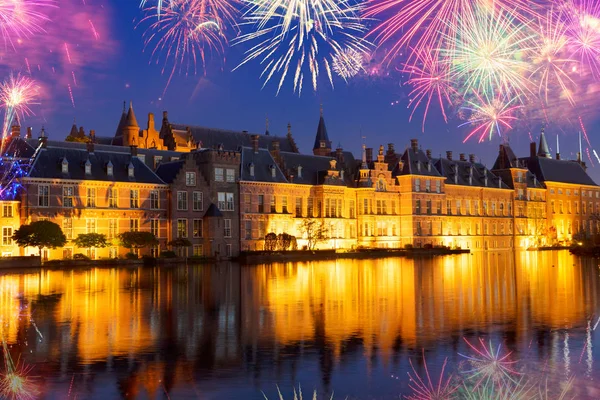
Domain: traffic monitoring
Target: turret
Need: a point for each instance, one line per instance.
(131, 129)
(322, 145)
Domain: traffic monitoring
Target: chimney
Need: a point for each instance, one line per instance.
(92, 136)
(472, 158)
(428, 152)
(29, 131)
(151, 121)
(462, 157)
(414, 144)
(532, 150)
(90, 147)
(339, 154)
(15, 131)
(254, 141)
(134, 151)
(369, 155)
(449, 155)
(81, 132)
(391, 150)
(558, 156)
(165, 115)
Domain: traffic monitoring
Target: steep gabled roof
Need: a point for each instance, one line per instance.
(314, 169)
(544, 150)
(263, 163)
(416, 162)
(321, 135)
(466, 173)
(567, 171)
(168, 171)
(131, 121)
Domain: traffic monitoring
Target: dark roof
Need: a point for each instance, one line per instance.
(262, 162)
(168, 171)
(459, 173)
(103, 140)
(48, 165)
(416, 162)
(314, 169)
(322, 134)
(213, 211)
(231, 140)
(506, 159)
(20, 148)
(566, 171)
(122, 122)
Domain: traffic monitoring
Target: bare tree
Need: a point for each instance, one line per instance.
(314, 231)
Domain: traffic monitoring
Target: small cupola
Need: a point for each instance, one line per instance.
(64, 165)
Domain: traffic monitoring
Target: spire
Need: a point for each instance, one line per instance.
(73, 132)
(122, 121)
(131, 121)
(322, 143)
(543, 150)
(267, 126)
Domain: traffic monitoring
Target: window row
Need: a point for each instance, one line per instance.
(70, 196)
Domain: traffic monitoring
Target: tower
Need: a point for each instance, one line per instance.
(322, 145)
(131, 129)
(543, 150)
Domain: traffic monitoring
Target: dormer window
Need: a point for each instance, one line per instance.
(251, 169)
(428, 166)
(88, 167)
(418, 166)
(109, 169)
(65, 166)
(273, 171)
(323, 145)
(299, 171)
(342, 174)
(130, 170)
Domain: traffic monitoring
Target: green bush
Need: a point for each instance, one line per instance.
(131, 256)
(409, 246)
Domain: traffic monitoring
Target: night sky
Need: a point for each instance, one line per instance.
(117, 67)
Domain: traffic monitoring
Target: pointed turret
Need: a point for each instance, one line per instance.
(322, 145)
(131, 121)
(543, 150)
(122, 121)
(74, 130)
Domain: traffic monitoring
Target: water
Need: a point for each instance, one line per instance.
(349, 327)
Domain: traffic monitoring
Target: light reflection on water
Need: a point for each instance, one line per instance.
(350, 326)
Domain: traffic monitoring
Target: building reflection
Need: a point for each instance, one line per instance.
(161, 330)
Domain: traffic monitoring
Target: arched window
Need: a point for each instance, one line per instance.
(381, 185)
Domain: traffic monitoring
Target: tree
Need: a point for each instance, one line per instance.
(89, 240)
(314, 231)
(137, 240)
(180, 243)
(284, 240)
(40, 234)
(271, 241)
(77, 139)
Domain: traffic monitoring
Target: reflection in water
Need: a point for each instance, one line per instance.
(220, 331)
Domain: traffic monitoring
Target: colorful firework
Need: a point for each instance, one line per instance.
(347, 64)
(550, 61)
(486, 52)
(582, 18)
(297, 395)
(489, 364)
(301, 37)
(15, 384)
(425, 389)
(429, 81)
(22, 19)
(188, 31)
(159, 5)
(489, 114)
(424, 24)
(17, 93)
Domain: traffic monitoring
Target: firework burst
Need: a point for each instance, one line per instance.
(487, 53)
(490, 114)
(489, 364)
(348, 63)
(187, 32)
(426, 389)
(430, 82)
(301, 37)
(20, 19)
(582, 18)
(15, 383)
(17, 93)
(297, 394)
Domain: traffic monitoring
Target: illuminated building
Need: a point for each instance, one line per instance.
(224, 191)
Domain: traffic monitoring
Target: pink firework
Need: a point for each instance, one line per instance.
(490, 114)
(21, 19)
(425, 23)
(425, 389)
(188, 31)
(429, 81)
(583, 22)
(17, 93)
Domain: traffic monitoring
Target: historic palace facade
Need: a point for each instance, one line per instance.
(224, 191)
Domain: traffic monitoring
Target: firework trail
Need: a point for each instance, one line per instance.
(187, 32)
(301, 37)
(15, 384)
(489, 365)
(297, 395)
(17, 93)
(21, 19)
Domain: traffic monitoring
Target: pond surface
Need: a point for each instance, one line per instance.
(353, 327)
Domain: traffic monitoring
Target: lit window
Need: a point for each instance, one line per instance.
(68, 192)
(134, 198)
(90, 226)
(113, 229)
(134, 225)
(198, 250)
(7, 210)
(197, 228)
(113, 197)
(155, 227)
(417, 185)
(7, 234)
(154, 199)
(43, 195)
(182, 228)
(91, 197)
